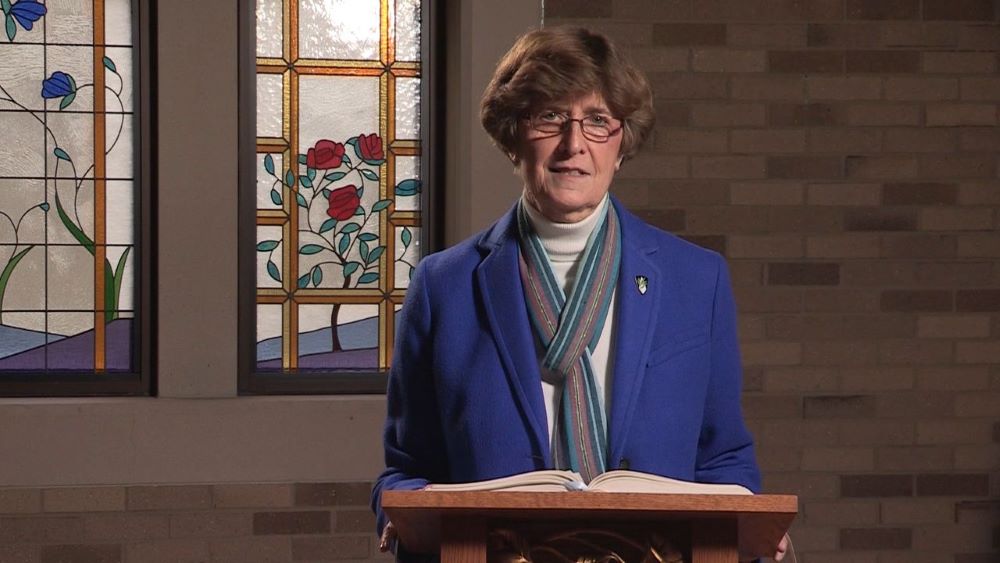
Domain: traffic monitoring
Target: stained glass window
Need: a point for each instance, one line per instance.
(338, 180)
(68, 188)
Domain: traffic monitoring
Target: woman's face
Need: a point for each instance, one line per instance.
(566, 174)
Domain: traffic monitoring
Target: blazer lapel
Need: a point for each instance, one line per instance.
(636, 313)
(499, 282)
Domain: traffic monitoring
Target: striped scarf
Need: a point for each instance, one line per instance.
(569, 329)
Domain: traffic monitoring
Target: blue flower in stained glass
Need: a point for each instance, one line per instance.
(27, 12)
(58, 85)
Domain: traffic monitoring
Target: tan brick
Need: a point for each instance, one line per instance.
(19, 553)
(953, 539)
(835, 327)
(843, 88)
(648, 165)
(952, 166)
(871, 486)
(689, 86)
(727, 114)
(882, 62)
(766, 34)
(354, 521)
(979, 193)
(953, 326)
(959, 63)
(819, 167)
(979, 245)
(772, 353)
(349, 547)
(210, 524)
(800, 379)
(838, 459)
(842, 246)
(727, 60)
(652, 10)
(919, 193)
(906, 300)
(912, 139)
(805, 61)
(875, 219)
(853, 140)
(980, 88)
(658, 59)
(952, 115)
(298, 522)
(919, 245)
(689, 192)
(760, 408)
(915, 404)
(884, 113)
(821, 539)
(167, 497)
(880, 273)
(915, 352)
(257, 495)
(881, 167)
(20, 501)
(764, 246)
(882, 378)
(954, 432)
(126, 526)
(953, 273)
(770, 300)
(840, 300)
(689, 34)
(955, 484)
(90, 553)
(875, 433)
(678, 140)
(953, 378)
(673, 113)
(839, 353)
(769, 87)
(766, 193)
(778, 459)
(982, 300)
(251, 549)
(843, 194)
(841, 513)
(852, 35)
(624, 33)
(977, 457)
(883, 9)
(728, 167)
(64, 529)
(768, 140)
(168, 551)
(919, 34)
(838, 406)
(979, 139)
(875, 538)
(977, 352)
(804, 485)
(914, 458)
(83, 499)
(921, 88)
(916, 510)
(958, 10)
(795, 115)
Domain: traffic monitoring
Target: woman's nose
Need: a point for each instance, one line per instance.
(572, 136)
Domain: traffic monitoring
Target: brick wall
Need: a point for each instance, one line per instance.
(842, 154)
(309, 522)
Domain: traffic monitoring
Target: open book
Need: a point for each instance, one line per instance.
(554, 480)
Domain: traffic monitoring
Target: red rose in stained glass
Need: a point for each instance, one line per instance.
(370, 147)
(343, 203)
(325, 155)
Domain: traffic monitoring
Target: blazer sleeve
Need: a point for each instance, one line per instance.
(725, 447)
(413, 439)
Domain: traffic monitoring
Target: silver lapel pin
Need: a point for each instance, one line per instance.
(642, 282)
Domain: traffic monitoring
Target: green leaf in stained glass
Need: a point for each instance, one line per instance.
(269, 164)
(363, 250)
(110, 65)
(345, 241)
(327, 225)
(61, 154)
(369, 174)
(11, 28)
(302, 281)
(310, 249)
(406, 237)
(267, 245)
(346, 161)
(368, 277)
(317, 276)
(301, 200)
(272, 270)
(408, 187)
(67, 100)
(359, 211)
(374, 254)
(305, 181)
(302, 159)
(368, 237)
(311, 172)
(289, 179)
(350, 268)
(334, 176)
(350, 228)
(5, 6)
(381, 204)
(275, 197)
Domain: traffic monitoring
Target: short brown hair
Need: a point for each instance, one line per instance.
(562, 63)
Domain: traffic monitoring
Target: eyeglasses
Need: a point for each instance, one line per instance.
(596, 127)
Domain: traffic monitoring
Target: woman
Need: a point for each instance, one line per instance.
(569, 334)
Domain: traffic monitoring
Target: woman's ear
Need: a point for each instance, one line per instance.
(618, 163)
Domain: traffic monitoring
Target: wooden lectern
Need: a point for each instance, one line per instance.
(717, 528)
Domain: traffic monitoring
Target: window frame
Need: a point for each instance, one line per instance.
(140, 381)
(432, 87)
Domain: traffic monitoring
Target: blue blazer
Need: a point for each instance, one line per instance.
(465, 398)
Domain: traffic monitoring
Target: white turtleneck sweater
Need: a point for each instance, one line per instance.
(564, 243)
